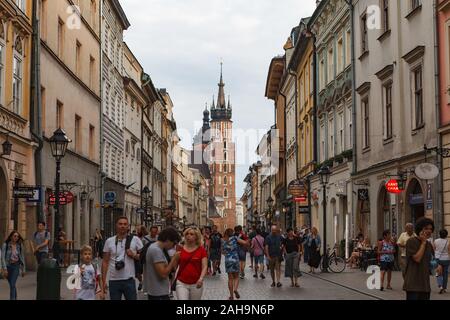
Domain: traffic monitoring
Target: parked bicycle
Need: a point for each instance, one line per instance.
(334, 263)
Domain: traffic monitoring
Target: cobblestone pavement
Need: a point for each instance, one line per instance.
(350, 285)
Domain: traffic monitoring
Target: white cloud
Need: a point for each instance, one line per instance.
(180, 43)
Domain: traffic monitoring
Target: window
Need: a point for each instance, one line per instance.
(415, 4)
(340, 55)
(418, 97)
(350, 127)
(225, 193)
(138, 154)
(225, 168)
(43, 104)
(331, 141)
(225, 156)
(127, 147)
(301, 92)
(322, 73)
(348, 47)
(220, 180)
(225, 180)
(330, 65)
(341, 141)
(60, 38)
(364, 35)
(78, 59)
(93, 13)
(388, 111)
(59, 114)
(385, 6)
(311, 78)
(322, 142)
(91, 141)
(77, 135)
(17, 76)
(20, 4)
(43, 19)
(92, 72)
(366, 123)
(225, 145)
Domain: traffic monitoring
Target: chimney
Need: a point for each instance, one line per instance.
(289, 49)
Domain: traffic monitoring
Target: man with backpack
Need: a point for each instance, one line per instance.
(41, 242)
(120, 254)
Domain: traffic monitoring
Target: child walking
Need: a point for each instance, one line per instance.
(89, 276)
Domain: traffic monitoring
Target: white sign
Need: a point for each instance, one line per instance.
(341, 188)
(427, 171)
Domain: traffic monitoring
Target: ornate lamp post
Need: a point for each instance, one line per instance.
(324, 180)
(146, 194)
(270, 202)
(58, 145)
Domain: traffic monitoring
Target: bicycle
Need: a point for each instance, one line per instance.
(335, 263)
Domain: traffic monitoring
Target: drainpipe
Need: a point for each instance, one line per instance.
(36, 108)
(101, 145)
(439, 216)
(354, 120)
(292, 73)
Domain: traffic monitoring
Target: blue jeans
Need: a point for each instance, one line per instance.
(127, 288)
(13, 274)
(41, 256)
(443, 279)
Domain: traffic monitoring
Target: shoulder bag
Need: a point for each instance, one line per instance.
(181, 269)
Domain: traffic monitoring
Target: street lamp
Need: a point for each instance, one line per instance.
(184, 222)
(146, 193)
(58, 145)
(270, 202)
(6, 148)
(324, 180)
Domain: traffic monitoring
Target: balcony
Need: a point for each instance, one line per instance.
(12, 122)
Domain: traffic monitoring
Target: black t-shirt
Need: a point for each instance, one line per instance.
(291, 245)
(216, 241)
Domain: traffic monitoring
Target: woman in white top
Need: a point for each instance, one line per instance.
(442, 253)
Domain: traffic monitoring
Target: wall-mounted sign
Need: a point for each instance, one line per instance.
(341, 188)
(392, 187)
(65, 198)
(363, 194)
(31, 194)
(298, 188)
(110, 197)
(427, 171)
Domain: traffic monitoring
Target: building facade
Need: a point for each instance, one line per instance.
(114, 22)
(330, 25)
(444, 89)
(396, 116)
(134, 104)
(70, 57)
(15, 116)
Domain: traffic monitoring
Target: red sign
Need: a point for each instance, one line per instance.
(301, 199)
(64, 198)
(392, 187)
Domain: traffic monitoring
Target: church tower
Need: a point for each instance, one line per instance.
(222, 165)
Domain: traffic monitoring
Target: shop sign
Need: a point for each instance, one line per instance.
(392, 187)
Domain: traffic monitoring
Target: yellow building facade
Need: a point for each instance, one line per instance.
(16, 168)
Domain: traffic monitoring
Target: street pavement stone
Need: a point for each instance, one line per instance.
(349, 285)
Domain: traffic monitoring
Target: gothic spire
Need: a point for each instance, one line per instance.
(221, 104)
(213, 106)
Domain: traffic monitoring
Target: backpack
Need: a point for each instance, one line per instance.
(143, 253)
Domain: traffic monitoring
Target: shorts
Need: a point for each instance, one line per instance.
(242, 255)
(275, 263)
(259, 259)
(387, 266)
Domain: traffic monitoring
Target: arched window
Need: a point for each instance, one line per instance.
(225, 168)
(225, 193)
(225, 156)
(225, 180)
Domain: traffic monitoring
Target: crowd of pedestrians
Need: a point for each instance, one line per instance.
(166, 264)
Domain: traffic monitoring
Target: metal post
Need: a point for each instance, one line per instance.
(16, 206)
(57, 205)
(325, 253)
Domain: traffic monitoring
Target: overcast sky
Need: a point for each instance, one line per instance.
(180, 44)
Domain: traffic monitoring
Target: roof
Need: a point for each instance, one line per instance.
(276, 71)
(121, 14)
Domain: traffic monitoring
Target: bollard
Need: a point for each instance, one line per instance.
(48, 280)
